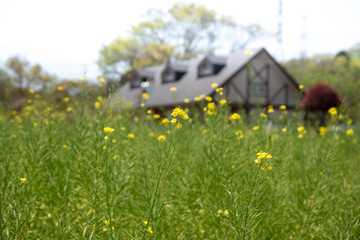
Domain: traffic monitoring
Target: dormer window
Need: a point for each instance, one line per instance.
(173, 73)
(206, 69)
(211, 66)
(169, 76)
(140, 78)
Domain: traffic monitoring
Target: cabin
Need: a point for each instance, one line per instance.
(248, 80)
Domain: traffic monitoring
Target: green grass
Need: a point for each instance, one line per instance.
(81, 191)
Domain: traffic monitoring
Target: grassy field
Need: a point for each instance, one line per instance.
(74, 172)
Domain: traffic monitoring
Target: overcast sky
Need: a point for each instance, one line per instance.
(65, 36)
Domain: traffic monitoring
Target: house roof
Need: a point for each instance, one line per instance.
(190, 85)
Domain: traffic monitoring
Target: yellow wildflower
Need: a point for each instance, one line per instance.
(234, 116)
(332, 111)
(219, 212)
(214, 85)
(60, 88)
(301, 86)
(66, 99)
(101, 79)
(263, 115)
(349, 122)
(100, 99)
(114, 140)
(145, 96)
(107, 222)
(226, 212)
(145, 222)
(161, 138)
(108, 129)
(283, 130)
(97, 105)
(300, 129)
(248, 52)
(350, 132)
(270, 110)
(150, 230)
(222, 101)
(173, 89)
(31, 91)
(322, 131)
(131, 136)
(263, 155)
(22, 180)
(173, 121)
(157, 116)
(186, 100)
(106, 138)
(208, 98)
(179, 125)
(165, 121)
(65, 146)
(69, 109)
(282, 107)
(104, 147)
(82, 79)
(255, 128)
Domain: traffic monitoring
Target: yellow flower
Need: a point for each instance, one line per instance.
(234, 116)
(104, 147)
(257, 161)
(173, 89)
(69, 109)
(222, 101)
(23, 180)
(100, 99)
(186, 100)
(60, 88)
(145, 222)
(150, 230)
(301, 86)
(131, 136)
(145, 96)
(114, 140)
(107, 222)
(82, 79)
(106, 138)
(261, 155)
(165, 121)
(149, 111)
(219, 212)
(233, 166)
(142, 104)
(226, 212)
(349, 122)
(341, 116)
(283, 130)
(214, 85)
(108, 129)
(66, 99)
(35, 124)
(197, 99)
(179, 125)
(282, 107)
(350, 132)
(270, 110)
(208, 98)
(173, 121)
(161, 138)
(122, 128)
(322, 131)
(332, 111)
(219, 89)
(255, 128)
(157, 116)
(263, 115)
(97, 105)
(101, 79)
(31, 91)
(248, 52)
(300, 129)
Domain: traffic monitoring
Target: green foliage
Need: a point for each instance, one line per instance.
(63, 176)
(340, 72)
(185, 31)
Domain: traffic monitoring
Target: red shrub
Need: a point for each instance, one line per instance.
(320, 97)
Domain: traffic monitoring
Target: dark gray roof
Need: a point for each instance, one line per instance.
(189, 86)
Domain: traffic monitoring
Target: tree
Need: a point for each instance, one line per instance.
(185, 31)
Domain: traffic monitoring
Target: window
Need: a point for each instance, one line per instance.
(135, 82)
(205, 69)
(258, 89)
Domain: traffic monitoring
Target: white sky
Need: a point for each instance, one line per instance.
(64, 35)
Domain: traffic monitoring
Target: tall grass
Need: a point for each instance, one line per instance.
(61, 179)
